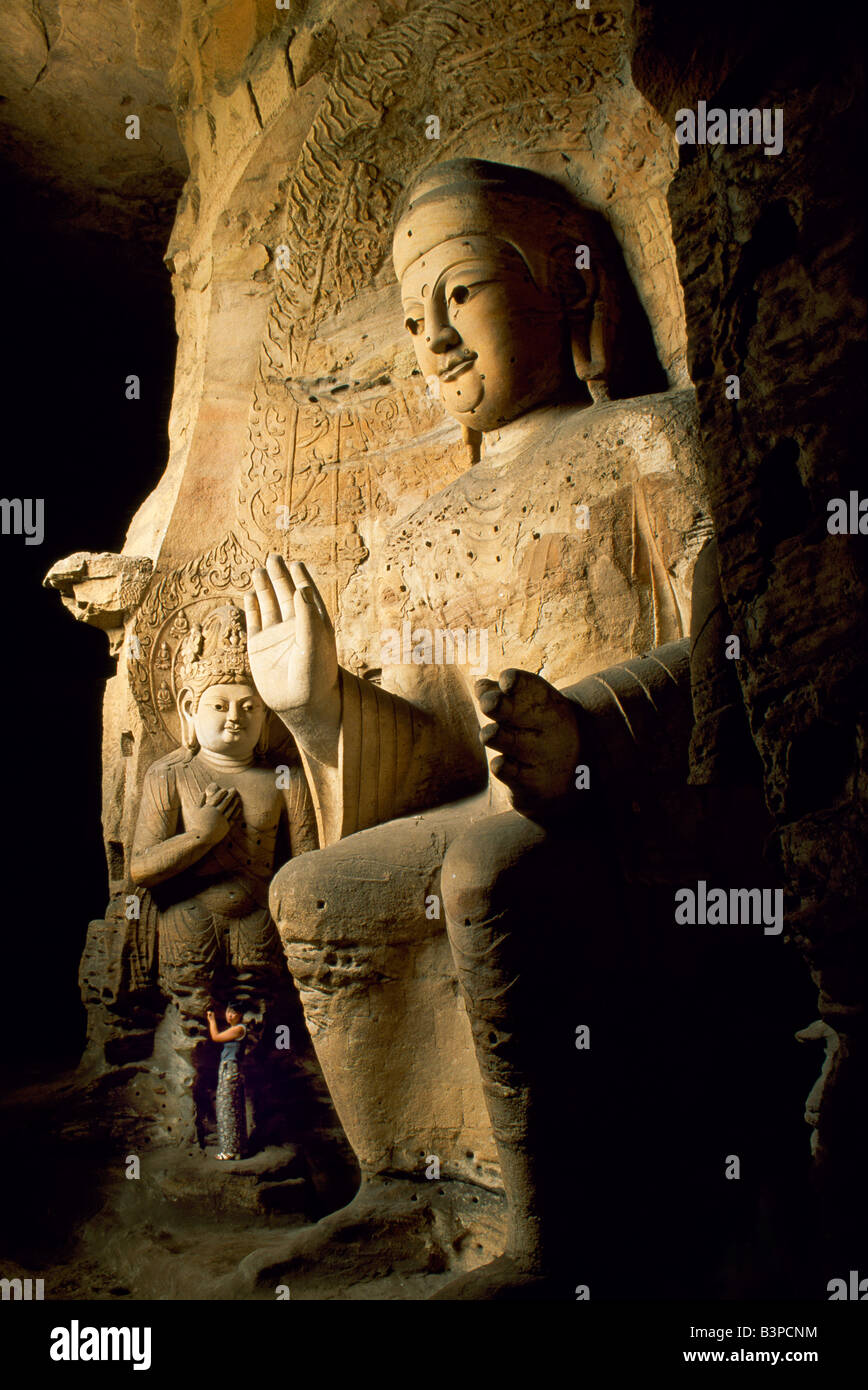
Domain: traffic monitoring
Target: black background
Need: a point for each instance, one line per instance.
(82, 311)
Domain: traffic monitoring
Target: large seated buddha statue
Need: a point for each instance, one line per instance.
(522, 795)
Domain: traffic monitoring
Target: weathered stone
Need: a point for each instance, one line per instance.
(771, 254)
(301, 426)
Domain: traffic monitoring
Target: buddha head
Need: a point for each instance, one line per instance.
(504, 314)
(220, 708)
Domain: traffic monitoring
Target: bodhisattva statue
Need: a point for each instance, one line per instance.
(571, 543)
(213, 822)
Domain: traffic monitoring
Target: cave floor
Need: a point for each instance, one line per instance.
(190, 1227)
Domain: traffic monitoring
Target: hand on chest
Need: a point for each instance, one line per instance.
(255, 789)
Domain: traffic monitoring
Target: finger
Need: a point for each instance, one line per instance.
(482, 687)
(490, 702)
(529, 694)
(254, 618)
(268, 605)
(525, 747)
(309, 592)
(506, 770)
(502, 708)
(282, 584)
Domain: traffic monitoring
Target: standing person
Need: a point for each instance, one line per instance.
(231, 1115)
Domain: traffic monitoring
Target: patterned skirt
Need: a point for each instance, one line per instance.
(231, 1114)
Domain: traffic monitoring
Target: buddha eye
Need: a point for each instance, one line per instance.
(414, 326)
(459, 295)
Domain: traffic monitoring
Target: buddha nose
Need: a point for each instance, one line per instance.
(441, 335)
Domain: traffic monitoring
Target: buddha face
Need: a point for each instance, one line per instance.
(481, 329)
(228, 719)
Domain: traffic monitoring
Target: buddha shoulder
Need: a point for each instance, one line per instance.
(658, 431)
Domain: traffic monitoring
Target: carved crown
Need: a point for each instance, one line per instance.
(214, 652)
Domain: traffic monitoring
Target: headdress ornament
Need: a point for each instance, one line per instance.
(476, 197)
(215, 652)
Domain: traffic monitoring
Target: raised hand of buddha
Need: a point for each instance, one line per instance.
(293, 655)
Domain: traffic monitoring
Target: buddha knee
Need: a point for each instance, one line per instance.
(491, 868)
(299, 898)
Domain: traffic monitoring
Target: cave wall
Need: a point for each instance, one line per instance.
(771, 260)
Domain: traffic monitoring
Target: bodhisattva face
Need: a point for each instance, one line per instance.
(228, 719)
(480, 326)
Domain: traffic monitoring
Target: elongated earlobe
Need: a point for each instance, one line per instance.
(588, 339)
(473, 440)
(188, 730)
(265, 736)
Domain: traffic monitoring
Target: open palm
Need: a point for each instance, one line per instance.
(292, 649)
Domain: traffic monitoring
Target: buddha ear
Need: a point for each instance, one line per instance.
(264, 739)
(186, 710)
(473, 440)
(589, 338)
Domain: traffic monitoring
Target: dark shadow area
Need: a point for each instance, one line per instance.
(82, 312)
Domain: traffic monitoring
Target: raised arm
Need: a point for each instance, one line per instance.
(370, 755)
(229, 1034)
